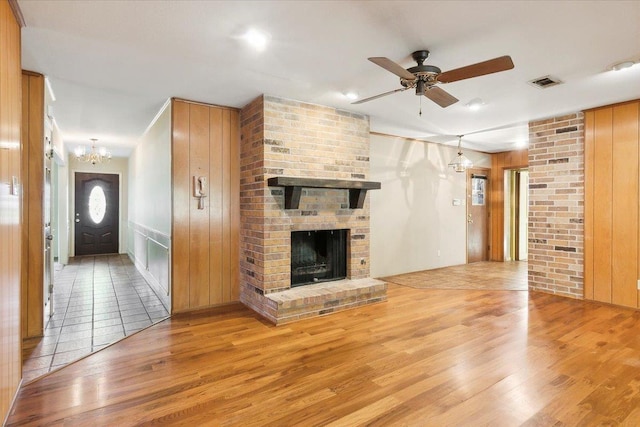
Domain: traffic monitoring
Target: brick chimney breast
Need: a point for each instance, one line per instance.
(281, 137)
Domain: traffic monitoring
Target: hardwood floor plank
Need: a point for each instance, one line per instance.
(426, 357)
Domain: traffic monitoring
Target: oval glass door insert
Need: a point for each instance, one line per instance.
(97, 204)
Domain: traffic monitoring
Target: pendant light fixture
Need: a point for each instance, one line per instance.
(461, 163)
(94, 156)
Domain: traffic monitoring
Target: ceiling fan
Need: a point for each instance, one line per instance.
(424, 78)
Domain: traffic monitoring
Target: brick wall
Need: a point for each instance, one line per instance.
(252, 200)
(556, 205)
(282, 137)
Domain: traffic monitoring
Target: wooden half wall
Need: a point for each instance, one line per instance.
(499, 163)
(205, 247)
(10, 221)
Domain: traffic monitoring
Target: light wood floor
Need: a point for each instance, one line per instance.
(487, 275)
(425, 357)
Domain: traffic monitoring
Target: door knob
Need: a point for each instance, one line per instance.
(77, 220)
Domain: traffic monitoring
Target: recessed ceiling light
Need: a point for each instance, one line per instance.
(256, 39)
(622, 65)
(351, 96)
(521, 143)
(475, 104)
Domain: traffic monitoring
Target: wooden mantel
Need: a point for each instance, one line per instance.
(293, 189)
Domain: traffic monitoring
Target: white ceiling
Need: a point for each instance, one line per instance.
(113, 64)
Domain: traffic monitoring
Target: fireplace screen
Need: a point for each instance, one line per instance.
(318, 256)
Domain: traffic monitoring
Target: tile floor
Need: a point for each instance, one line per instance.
(97, 300)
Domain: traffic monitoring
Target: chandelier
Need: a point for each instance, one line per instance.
(94, 156)
(461, 163)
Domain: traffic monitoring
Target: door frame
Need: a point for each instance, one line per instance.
(48, 235)
(72, 205)
(512, 221)
(487, 194)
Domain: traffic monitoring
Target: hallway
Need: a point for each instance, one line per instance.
(98, 300)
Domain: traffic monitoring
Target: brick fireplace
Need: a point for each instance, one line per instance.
(283, 138)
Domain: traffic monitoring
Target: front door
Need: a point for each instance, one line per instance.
(96, 216)
(477, 215)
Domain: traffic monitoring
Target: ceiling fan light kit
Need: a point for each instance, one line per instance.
(424, 78)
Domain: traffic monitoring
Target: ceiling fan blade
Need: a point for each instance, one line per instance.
(391, 66)
(494, 65)
(360, 101)
(440, 96)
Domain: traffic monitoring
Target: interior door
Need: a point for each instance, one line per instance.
(477, 215)
(517, 205)
(96, 213)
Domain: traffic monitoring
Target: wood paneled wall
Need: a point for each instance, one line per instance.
(32, 202)
(10, 226)
(205, 242)
(499, 162)
(611, 265)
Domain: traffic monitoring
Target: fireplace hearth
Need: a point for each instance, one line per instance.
(318, 256)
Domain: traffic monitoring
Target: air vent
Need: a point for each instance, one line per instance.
(545, 82)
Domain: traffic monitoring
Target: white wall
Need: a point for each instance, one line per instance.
(412, 216)
(61, 196)
(150, 171)
(149, 228)
(117, 165)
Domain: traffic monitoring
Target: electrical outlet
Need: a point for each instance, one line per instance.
(638, 280)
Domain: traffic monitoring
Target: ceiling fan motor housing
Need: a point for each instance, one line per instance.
(425, 75)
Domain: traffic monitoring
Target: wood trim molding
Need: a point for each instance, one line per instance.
(206, 104)
(17, 13)
(602, 107)
(32, 73)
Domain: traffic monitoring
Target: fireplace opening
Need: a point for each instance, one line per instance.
(318, 256)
